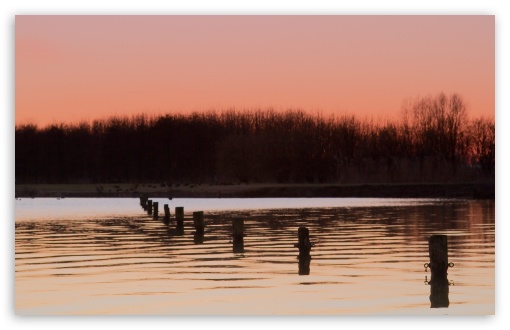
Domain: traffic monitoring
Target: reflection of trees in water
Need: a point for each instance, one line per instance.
(443, 216)
(482, 213)
(409, 223)
(100, 232)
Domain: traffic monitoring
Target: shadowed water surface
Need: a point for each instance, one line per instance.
(106, 256)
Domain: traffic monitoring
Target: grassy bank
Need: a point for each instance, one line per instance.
(420, 190)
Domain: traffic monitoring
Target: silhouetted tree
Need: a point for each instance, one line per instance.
(430, 142)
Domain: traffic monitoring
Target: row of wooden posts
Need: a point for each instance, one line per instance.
(198, 221)
(438, 244)
(438, 247)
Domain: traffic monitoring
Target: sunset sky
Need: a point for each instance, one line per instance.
(73, 68)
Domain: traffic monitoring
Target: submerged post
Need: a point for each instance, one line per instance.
(149, 207)
(304, 244)
(179, 216)
(198, 221)
(238, 235)
(155, 212)
(166, 219)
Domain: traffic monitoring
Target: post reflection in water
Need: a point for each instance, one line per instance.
(198, 237)
(439, 291)
(304, 264)
(179, 229)
(238, 245)
(238, 235)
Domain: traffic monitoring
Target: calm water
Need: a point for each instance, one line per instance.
(106, 256)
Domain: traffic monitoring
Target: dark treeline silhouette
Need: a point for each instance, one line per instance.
(433, 141)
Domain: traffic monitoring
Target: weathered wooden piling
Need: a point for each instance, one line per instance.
(143, 202)
(166, 219)
(304, 244)
(179, 216)
(155, 211)
(238, 229)
(198, 221)
(438, 253)
(149, 207)
(238, 235)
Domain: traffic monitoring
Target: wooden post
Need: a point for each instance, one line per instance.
(438, 253)
(179, 216)
(166, 219)
(238, 235)
(198, 221)
(155, 212)
(149, 207)
(238, 229)
(143, 202)
(304, 244)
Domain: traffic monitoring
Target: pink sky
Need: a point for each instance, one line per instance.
(73, 68)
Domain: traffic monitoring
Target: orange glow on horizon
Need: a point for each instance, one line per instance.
(73, 68)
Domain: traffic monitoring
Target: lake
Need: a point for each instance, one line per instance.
(95, 256)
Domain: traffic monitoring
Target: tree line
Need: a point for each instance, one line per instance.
(433, 141)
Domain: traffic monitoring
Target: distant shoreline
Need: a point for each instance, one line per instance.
(258, 190)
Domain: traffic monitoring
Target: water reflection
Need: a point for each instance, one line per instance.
(364, 262)
(198, 237)
(179, 228)
(304, 264)
(238, 245)
(439, 290)
(238, 235)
